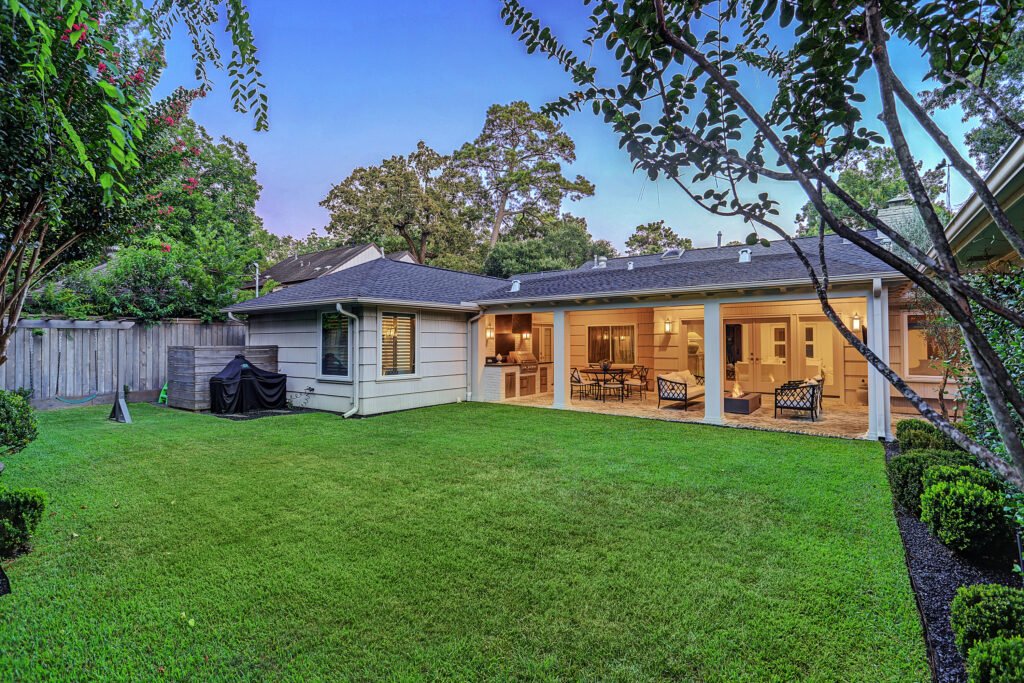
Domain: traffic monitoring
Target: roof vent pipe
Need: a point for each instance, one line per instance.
(602, 261)
(629, 265)
(744, 255)
(515, 286)
(886, 243)
(595, 260)
(719, 239)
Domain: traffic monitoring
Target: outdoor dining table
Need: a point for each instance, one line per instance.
(604, 375)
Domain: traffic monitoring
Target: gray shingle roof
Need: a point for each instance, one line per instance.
(384, 279)
(712, 267)
(379, 279)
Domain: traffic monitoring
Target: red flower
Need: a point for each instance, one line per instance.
(165, 248)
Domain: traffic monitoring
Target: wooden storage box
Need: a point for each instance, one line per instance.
(189, 369)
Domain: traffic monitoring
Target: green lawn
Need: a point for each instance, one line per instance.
(459, 542)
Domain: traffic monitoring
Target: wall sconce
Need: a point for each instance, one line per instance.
(526, 336)
(856, 322)
(668, 326)
(490, 332)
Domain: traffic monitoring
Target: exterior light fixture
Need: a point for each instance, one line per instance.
(490, 332)
(526, 335)
(856, 321)
(668, 326)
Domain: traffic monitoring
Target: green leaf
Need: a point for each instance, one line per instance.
(106, 181)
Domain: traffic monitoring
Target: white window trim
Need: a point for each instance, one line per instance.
(417, 346)
(636, 351)
(344, 379)
(905, 353)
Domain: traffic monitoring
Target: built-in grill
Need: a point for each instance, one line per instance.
(527, 362)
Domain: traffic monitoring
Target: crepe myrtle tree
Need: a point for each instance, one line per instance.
(682, 103)
(77, 116)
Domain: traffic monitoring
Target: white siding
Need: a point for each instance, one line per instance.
(440, 359)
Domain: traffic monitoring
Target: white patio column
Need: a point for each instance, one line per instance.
(560, 347)
(712, 363)
(879, 419)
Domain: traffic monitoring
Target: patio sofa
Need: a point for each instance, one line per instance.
(680, 387)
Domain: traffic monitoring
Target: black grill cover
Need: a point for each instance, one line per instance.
(242, 387)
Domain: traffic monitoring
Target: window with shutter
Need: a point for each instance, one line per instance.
(334, 345)
(398, 344)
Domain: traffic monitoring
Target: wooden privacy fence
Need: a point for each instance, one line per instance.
(83, 362)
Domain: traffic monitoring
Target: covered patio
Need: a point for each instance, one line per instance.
(740, 346)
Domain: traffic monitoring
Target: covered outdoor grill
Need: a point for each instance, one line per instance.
(241, 387)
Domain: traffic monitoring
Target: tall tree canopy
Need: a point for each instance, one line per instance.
(872, 177)
(79, 124)
(991, 94)
(654, 238)
(422, 202)
(688, 101)
(555, 243)
(519, 156)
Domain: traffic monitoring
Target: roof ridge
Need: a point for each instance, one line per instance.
(448, 270)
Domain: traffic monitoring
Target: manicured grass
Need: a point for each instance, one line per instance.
(460, 542)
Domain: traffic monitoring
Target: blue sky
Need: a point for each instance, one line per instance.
(353, 83)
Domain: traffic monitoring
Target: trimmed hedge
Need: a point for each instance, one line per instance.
(20, 513)
(944, 473)
(906, 470)
(1000, 660)
(965, 517)
(905, 426)
(18, 427)
(983, 612)
(914, 434)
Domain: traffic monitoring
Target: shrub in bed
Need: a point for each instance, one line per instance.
(944, 473)
(1000, 660)
(904, 427)
(18, 426)
(987, 611)
(20, 512)
(965, 517)
(905, 472)
(917, 439)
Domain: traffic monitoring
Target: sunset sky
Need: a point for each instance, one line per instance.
(353, 83)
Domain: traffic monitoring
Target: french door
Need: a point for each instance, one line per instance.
(761, 351)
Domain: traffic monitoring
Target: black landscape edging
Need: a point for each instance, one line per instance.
(935, 575)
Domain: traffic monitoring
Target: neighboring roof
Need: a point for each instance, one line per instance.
(378, 281)
(404, 255)
(972, 234)
(710, 268)
(302, 267)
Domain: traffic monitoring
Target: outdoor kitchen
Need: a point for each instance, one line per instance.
(519, 359)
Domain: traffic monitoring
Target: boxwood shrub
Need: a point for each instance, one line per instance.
(20, 512)
(986, 611)
(18, 427)
(905, 426)
(965, 517)
(1000, 660)
(906, 470)
(983, 478)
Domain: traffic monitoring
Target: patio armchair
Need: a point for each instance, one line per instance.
(614, 385)
(680, 387)
(798, 396)
(584, 388)
(637, 380)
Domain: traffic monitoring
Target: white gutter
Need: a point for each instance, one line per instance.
(469, 354)
(355, 360)
(360, 300)
(696, 289)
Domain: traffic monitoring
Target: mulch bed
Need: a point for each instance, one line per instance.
(935, 574)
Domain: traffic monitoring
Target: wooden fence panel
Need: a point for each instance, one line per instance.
(83, 362)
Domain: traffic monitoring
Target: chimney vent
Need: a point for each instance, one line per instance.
(886, 242)
(595, 260)
(745, 255)
(515, 286)
(629, 265)
(602, 261)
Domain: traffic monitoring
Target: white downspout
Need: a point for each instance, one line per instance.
(355, 360)
(470, 346)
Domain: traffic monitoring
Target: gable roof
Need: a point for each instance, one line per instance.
(380, 281)
(303, 267)
(384, 280)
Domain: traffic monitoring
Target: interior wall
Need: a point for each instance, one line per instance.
(642, 318)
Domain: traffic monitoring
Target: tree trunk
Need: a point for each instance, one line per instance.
(499, 218)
